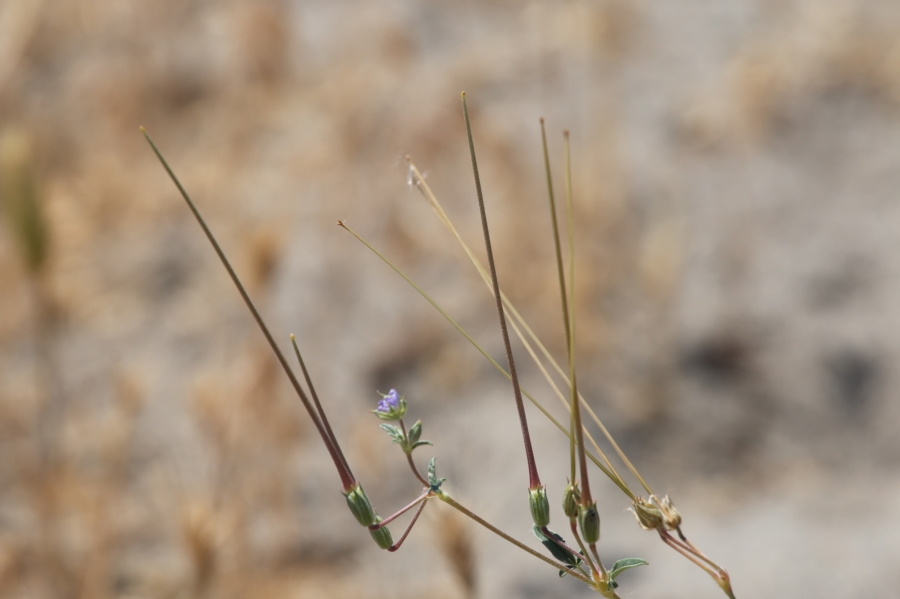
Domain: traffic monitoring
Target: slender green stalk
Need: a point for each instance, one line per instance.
(573, 526)
(347, 479)
(600, 567)
(409, 459)
(534, 480)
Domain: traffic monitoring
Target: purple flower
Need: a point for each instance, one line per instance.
(390, 402)
(390, 406)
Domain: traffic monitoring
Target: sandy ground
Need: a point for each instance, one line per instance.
(735, 183)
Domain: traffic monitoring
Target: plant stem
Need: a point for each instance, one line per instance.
(562, 291)
(596, 555)
(409, 458)
(587, 556)
(534, 480)
(548, 533)
(451, 502)
(607, 470)
(409, 528)
(576, 408)
(425, 494)
(687, 548)
(315, 397)
(347, 479)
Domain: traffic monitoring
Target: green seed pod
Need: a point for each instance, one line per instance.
(360, 506)
(571, 499)
(649, 516)
(589, 523)
(382, 535)
(540, 506)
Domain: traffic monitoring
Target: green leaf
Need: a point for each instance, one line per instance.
(625, 564)
(433, 481)
(418, 443)
(570, 560)
(395, 433)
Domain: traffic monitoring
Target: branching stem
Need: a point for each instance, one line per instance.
(409, 528)
(420, 499)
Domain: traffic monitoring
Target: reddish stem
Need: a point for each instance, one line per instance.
(534, 480)
(406, 532)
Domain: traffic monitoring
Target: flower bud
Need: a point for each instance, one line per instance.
(571, 499)
(647, 515)
(589, 523)
(415, 432)
(540, 506)
(381, 535)
(671, 517)
(360, 506)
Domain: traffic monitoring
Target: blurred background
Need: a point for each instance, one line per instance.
(735, 167)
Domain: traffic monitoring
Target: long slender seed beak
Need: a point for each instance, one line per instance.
(347, 479)
(533, 477)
